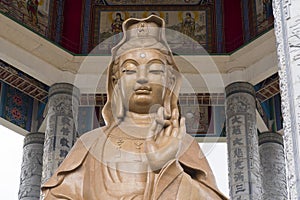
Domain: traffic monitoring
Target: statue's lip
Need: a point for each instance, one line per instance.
(143, 90)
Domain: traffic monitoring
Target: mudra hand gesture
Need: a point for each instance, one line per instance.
(164, 139)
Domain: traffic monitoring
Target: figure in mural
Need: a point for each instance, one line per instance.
(116, 26)
(21, 3)
(143, 152)
(32, 9)
(268, 10)
(188, 25)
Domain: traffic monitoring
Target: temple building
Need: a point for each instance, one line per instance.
(240, 61)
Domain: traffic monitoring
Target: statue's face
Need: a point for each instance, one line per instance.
(143, 76)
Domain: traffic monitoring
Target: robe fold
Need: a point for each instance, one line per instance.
(80, 176)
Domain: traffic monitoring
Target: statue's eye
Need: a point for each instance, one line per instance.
(127, 71)
(156, 71)
(129, 68)
(156, 68)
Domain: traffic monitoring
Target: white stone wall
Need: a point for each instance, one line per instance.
(287, 31)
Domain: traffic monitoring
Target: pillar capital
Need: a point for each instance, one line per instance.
(64, 88)
(270, 137)
(34, 138)
(239, 87)
(235, 74)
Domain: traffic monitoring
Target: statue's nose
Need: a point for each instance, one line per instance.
(142, 75)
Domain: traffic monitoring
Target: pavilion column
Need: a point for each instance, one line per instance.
(60, 134)
(287, 29)
(31, 171)
(272, 157)
(242, 142)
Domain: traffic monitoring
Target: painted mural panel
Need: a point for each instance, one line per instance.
(85, 119)
(31, 13)
(186, 30)
(16, 107)
(196, 118)
(157, 2)
(264, 15)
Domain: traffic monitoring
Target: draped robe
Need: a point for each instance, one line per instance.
(84, 174)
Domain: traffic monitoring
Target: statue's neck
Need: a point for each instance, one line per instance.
(137, 119)
(136, 125)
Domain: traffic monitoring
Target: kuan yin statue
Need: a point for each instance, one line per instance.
(143, 152)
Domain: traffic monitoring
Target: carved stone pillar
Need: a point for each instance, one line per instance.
(31, 172)
(60, 134)
(287, 28)
(272, 158)
(242, 141)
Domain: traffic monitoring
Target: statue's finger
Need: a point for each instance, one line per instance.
(158, 131)
(162, 122)
(175, 116)
(168, 131)
(163, 141)
(160, 113)
(182, 128)
(160, 137)
(150, 145)
(174, 132)
(151, 131)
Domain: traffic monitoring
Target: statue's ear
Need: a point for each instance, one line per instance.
(114, 79)
(117, 99)
(168, 96)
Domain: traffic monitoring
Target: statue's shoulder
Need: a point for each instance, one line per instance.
(92, 136)
(76, 156)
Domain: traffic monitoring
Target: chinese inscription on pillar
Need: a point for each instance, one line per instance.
(244, 163)
(61, 126)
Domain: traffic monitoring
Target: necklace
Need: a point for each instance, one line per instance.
(137, 142)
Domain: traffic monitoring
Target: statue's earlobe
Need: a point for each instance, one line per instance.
(119, 108)
(168, 97)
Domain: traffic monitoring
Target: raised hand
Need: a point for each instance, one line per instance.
(164, 139)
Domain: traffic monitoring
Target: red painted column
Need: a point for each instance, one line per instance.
(233, 25)
(70, 38)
